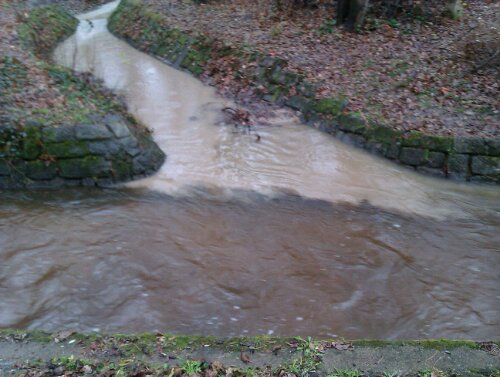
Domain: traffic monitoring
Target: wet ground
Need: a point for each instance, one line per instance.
(395, 359)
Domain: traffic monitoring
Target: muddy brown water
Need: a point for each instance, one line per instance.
(295, 234)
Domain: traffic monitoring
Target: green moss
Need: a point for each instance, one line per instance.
(351, 123)
(41, 169)
(31, 144)
(68, 149)
(122, 169)
(87, 167)
(443, 344)
(438, 344)
(375, 343)
(45, 28)
(135, 344)
(276, 94)
(144, 343)
(431, 142)
(39, 336)
(31, 335)
(182, 342)
(382, 134)
(328, 106)
(263, 343)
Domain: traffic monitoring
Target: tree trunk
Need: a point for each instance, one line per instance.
(351, 13)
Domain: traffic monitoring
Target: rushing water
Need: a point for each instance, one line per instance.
(292, 234)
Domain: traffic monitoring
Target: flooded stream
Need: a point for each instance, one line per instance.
(291, 234)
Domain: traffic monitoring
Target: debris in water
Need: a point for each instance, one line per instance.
(239, 117)
(245, 358)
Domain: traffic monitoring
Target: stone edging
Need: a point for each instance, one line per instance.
(461, 158)
(107, 151)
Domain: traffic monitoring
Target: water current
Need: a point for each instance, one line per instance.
(292, 234)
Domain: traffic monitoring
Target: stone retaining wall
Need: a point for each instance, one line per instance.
(462, 158)
(111, 149)
(105, 147)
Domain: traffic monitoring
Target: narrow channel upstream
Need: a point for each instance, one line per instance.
(296, 234)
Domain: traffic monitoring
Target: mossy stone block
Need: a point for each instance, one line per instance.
(392, 151)
(122, 169)
(413, 156)
(352, 139)
(306, 89)
(494, 147)
(486, 165)
(436, 160)
(328, 106)
(41, 170)
(58, 134)
(477, 145)
(351, 123)
(130, 145)
(458, 163)
(376, 147)
(31, 144)
(68, 149)
(87, 167)
(430, 142)
(298, 103)
(92, 132)
(382, 134)
(104, 147)
(117, 125)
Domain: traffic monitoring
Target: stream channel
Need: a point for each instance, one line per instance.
(295, 234)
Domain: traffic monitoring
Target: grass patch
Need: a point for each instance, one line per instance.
(45, 27)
